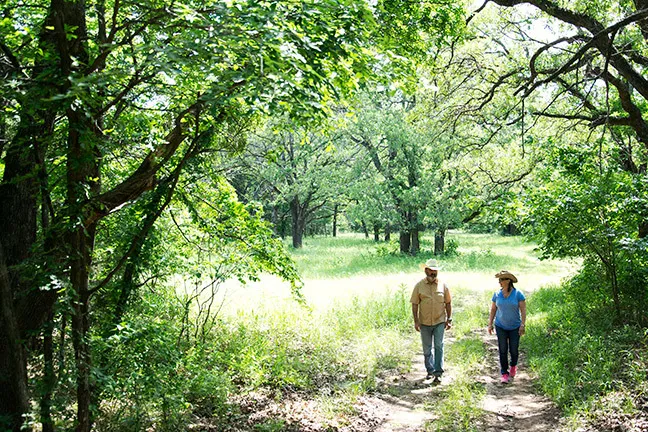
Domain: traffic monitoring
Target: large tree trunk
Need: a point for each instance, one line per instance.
(82, 245)
(14, 399)
(405, 241)
(387, 233)
(439, 242)
(335, 216)
(376, 231)
(83, 175)
(18, 227)
(298, 223)
(415, 244)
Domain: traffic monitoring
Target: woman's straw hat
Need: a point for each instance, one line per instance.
(505, 274)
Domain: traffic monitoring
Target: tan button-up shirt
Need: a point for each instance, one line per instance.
(431, 298)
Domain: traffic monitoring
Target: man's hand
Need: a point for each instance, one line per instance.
(448, 325)
(417, 326)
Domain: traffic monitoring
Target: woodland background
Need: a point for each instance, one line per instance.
(151, 142)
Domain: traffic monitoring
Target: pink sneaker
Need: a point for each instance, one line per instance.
(505, 378)
(513, 371)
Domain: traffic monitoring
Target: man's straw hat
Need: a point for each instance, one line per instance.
(431, 264)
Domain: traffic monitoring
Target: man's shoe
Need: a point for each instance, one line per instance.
(437, 380)
(429, 376)
(505, 378)
(513, 371)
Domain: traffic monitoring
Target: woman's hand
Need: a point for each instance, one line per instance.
(490, 328)
(522, 330)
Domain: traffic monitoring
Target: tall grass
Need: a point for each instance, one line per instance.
(594, 369)
(353, 254)
(332, 354)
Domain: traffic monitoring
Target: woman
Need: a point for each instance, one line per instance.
(508, 309)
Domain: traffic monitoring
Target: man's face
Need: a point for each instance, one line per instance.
(432, 274)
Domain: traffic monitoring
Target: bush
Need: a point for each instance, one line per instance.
(451, 248)
(581, 353)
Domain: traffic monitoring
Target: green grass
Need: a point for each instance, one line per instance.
(594, 369)
(352, 254)
(458, 407)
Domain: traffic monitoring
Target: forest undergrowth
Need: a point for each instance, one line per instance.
(291, 366)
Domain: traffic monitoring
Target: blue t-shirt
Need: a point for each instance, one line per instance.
(508, 309)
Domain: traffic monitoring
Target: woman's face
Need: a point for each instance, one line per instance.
(504, 283)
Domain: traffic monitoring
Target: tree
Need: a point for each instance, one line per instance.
(106, 105)
(594, 70)
(296, 168)
(370, 200)
(591, 74)
(392, 150)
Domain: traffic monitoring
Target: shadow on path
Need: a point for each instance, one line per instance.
(516, 406)
(407, 400)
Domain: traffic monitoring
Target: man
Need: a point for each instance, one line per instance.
(432, 310)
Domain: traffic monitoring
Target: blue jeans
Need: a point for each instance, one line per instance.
(508, 340)
(433, 335)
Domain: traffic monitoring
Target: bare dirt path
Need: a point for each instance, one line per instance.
(517, 406)
(407, 401)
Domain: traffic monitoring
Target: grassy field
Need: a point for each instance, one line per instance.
(352, 254)
(357, 292)
(266, 353)
(338, 269)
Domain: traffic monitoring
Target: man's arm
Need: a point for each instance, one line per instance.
(417, 325)
(448, 308)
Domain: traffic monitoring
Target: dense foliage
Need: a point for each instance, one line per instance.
(117, 125)
(151, 151)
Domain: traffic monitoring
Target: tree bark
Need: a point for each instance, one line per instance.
(439, 242)
(405, 241)
(376, 230)
(406, 232)
(415, 245)
(14, 398)
(335, 215)
(387, 233)
(298, 223)
(23, 308)
(82, 175)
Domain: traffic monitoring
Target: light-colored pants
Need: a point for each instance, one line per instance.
(433, 335)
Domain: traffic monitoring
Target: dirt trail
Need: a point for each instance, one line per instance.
(407, 400)
(517, 406)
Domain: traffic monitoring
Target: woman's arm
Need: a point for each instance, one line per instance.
(522, 305)
(491, 317)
